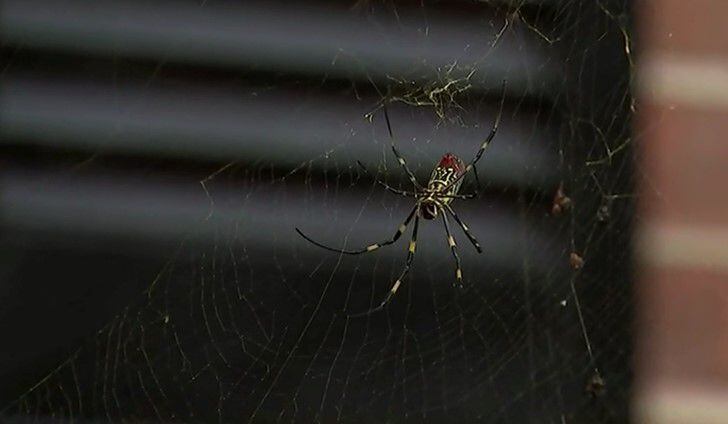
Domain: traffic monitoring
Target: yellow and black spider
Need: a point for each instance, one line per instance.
(435, 199)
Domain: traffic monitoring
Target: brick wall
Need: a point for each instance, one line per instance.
(682, 242)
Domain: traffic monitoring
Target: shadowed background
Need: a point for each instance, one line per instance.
(159, 155)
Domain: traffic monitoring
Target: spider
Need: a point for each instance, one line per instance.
(431, 201)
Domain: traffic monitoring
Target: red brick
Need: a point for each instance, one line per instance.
(683, 328)
(695, 27)
(684, 159)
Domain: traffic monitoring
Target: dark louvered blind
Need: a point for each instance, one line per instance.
(144, 137)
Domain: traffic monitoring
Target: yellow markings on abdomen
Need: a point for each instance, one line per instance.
(437, 185)
(412, 246)
(372, 247)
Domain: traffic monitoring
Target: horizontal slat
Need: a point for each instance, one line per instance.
(295, 38)
(275, 125)
(103, 207)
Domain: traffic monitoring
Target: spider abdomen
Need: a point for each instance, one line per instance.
(445, 178)
(444, 183)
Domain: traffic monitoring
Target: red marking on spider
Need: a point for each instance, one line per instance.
(451, 161)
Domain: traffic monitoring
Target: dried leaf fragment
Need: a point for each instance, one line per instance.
(576, 261)
(561, 202)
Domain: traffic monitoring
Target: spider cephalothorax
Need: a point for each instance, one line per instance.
(430, 202)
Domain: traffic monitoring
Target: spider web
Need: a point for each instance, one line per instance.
(245, 321)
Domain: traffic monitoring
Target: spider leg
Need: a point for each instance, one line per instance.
(465, 228)
(398, 282)
(493, 130)
(485, 144)
(385, 185)
(466, 196)
(477, 181)
(454, 249)
(399, 157)
(371, 247)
